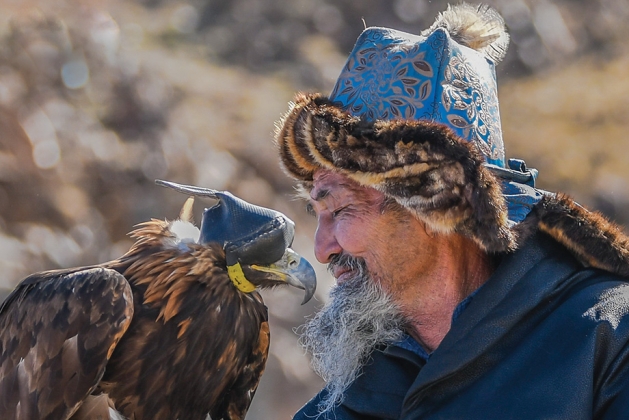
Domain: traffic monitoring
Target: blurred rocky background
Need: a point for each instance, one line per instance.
(99, 98)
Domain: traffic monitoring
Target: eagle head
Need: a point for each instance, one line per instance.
(256, 241)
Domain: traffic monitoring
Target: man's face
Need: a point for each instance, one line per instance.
(353, 221)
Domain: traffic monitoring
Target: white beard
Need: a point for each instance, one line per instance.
(358, 317)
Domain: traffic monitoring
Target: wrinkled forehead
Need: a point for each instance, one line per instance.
(326, 182)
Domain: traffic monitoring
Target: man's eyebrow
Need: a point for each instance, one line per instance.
(321, 194)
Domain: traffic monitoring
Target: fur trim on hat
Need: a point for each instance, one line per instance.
(438, 177)
(424, 166)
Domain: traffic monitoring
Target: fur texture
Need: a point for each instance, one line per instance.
(422, 165)
(478, 27)
(438, 177)
(592, 239)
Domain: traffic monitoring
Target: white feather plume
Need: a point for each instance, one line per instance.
(478, 27)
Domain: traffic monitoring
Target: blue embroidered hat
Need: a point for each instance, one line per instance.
(445, 75)
(416, 117)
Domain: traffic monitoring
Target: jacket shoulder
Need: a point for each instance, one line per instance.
(602, 301)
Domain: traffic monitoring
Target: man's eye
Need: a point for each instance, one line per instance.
(310, 210)
(338, 211)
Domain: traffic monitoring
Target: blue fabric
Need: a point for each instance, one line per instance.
(520, 200)
(410, 344)
(371, 399)
(518, 188)
(395, 75)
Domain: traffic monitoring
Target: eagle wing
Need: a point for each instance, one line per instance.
(243, 391)
(57, 332)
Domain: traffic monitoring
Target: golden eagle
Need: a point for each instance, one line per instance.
(173, 329)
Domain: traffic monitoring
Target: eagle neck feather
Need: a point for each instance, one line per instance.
(165, 273)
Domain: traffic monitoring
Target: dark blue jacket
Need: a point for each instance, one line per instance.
(544, 338)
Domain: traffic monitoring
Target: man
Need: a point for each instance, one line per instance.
(462, 291)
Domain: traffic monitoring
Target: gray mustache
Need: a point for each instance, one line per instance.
(347, 261)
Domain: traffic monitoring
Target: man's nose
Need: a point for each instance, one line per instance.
(325, 244)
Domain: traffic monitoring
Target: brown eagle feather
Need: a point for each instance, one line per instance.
(160, 333)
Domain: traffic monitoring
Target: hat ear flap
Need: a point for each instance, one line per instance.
(293, 137)
(452, 195)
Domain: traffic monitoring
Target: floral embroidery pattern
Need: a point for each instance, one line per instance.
(394, 75)
(391, 80)
(464, 91)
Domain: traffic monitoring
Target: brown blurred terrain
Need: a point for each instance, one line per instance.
(100, 98)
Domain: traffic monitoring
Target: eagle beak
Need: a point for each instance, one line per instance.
(294, 270)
